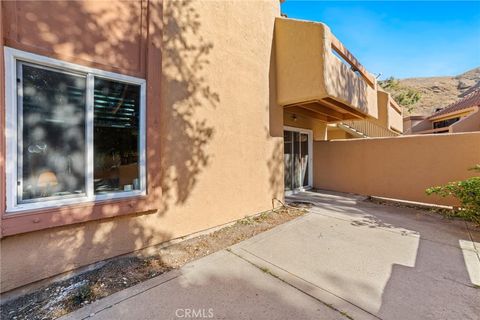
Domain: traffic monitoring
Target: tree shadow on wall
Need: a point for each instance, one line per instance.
(186, 95)
(275, 165)
(106, 36)
(274, 131)
(183, 131)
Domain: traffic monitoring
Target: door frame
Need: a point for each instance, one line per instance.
(309, 133)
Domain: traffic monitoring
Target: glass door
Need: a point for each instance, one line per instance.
(297, 158)
(288, 159)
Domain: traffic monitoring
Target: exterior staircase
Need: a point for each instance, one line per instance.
(365, 129)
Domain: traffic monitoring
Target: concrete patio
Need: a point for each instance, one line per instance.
(347, 258)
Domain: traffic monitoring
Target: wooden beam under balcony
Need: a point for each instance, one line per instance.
(318, 110)
(342, 106)
(308, 113)
(327, 109)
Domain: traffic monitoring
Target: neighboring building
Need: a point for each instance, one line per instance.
(126, 124)
(461, 116)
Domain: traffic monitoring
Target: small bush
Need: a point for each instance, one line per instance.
(467, 192)
(405, 96)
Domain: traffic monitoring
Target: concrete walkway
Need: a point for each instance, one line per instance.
(347, 258)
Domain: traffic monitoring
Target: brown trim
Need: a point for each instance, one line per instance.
(339, 48)
(415, 118)
(452, 114)
(16, 223)
(10, 10)
(143, 35)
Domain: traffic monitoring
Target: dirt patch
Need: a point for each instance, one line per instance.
(301, 204)
(444, 212)
(398, 204)
(63, 297)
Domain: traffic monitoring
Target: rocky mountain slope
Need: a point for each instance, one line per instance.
(438, 92)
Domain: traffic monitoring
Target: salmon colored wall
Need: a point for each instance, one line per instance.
(399, 167)
(109, 35)
(101, 40)
(214, 125)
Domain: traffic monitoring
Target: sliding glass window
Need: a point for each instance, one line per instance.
(79, 133)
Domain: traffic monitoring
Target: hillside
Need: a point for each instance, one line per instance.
(436, 92)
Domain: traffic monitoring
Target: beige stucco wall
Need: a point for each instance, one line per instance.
(388, 117)
(300, 48)
(382, 100)
(219, 122)
(421, 126)
(416, 124)
(395, 119)
(399, 167)
(334, 134)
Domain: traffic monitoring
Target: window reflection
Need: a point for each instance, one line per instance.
(52, 131)
(116, 136)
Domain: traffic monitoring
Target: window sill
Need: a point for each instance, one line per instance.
(55, 204)
(24, 221)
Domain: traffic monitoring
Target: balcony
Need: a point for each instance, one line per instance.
(390, 114)
(318, 76)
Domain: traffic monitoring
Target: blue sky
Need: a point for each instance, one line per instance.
(402, 39)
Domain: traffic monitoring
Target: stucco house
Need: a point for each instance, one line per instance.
(126, 124)
(460, 116)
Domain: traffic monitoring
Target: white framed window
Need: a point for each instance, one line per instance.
(74, 134)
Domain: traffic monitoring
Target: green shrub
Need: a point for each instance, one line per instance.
(467, 192)
(405, 96)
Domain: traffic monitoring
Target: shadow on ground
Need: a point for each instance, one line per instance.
(414, 264)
